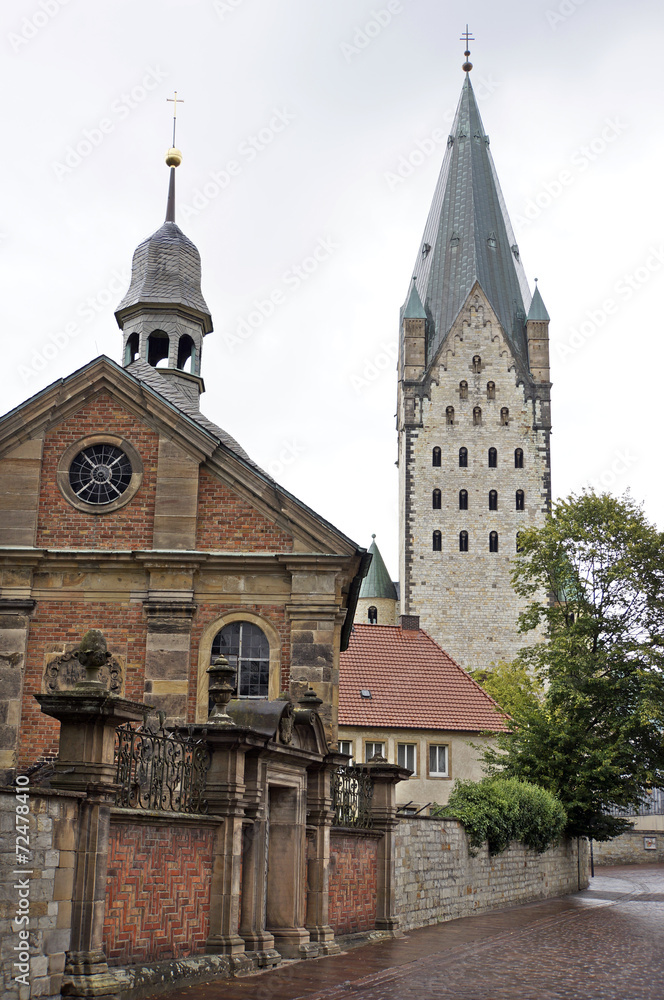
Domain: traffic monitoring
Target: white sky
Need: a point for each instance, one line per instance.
(570, 88)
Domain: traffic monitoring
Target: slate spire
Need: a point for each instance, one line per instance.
(469, 237)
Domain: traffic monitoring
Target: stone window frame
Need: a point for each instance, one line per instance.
(439, 775)
(70, 453)
(415, 749)
(373, 743)
(351, 744)
(205, 653)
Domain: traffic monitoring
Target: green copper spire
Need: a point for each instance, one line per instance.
(538, 313)
(414, 308)
(377, 582)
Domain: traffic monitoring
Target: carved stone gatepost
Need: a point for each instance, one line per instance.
(319, 822)
(89, 716)
(385, 778)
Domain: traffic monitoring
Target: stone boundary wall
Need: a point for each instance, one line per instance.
(629, 849)
(53, 826)
(353, 881)
(437, 880)
(158, 887)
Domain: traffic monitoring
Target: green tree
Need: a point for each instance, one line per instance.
(512, 685)
(596, 738)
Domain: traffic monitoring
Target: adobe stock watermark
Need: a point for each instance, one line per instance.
(580, 160)
(562, 13)
(86, 311)
(620, 465)
(371, 369)
(438, 138)
(623, 290)
(33, 23)
(364, 34)
(291, 280)
(289, 453)
(224, 7)
(247, 151)
(91, 138)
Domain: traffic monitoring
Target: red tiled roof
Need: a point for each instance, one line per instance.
(414, 684)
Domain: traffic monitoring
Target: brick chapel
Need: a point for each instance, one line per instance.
(125, 509)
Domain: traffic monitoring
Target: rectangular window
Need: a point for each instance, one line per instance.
(438, 761)
(406, 756)
(371, 749)
(346, 746)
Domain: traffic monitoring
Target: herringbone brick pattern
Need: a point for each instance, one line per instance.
(353, 882)
(158, 893)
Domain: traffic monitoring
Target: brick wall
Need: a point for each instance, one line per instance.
(436, 879)
(59, 524)
(52, 821)
(227, 522)
(158, 890)
(353, 873)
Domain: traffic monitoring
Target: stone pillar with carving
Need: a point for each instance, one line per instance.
(89, 715)
(14, 628)
(385, 779)
(167, 653)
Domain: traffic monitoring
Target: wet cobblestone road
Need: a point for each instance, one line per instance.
(606, 943)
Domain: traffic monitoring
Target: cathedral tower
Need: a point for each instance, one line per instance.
(473, 410)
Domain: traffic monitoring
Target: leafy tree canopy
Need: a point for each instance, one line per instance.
(512, 685)
(594, 575)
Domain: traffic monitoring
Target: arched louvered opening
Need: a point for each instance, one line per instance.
(186, 354)
(131, 348)
(158, 347)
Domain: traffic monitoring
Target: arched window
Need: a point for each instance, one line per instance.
(493, 541)
(520, 500)
(158, 345)
(463, 499)
(463, 458)
(435, 500)
(186, 354)
(477, 363)
(463, 390)
(518, 458)
(372, 615)
(504, 416)
(449, 415)
(491, 390)
(493, 500)
(463, 541)
(493, 458)
(437, 542)
(131, 348)
(246, 648)
(435, 457)
(477, 416)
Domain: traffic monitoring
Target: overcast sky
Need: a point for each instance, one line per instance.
(307, 176)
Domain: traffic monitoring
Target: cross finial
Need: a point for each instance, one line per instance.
(174, 101)
(468, 38)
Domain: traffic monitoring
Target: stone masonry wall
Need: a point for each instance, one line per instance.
(353, 881)
(437, 880)
(52, 827)
(630, 848)
(465, 599)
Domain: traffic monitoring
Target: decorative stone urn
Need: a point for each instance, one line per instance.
(221, 687)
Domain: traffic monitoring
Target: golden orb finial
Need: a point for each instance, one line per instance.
(173, 157)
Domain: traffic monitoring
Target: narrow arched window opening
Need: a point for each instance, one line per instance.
(435, 457)
(491, 390)
(186, 353)
(477, 416)
(504, 416)
(493, 541)
(449, 415)
(463, 499)
(518, 458)
(246, 648)
(131, 348)
(463, 458)
(437, 541)
(372, 615)
(436, 500)
(477, 364)
(463, 541)
(520, 500)
(493, 458)
(493, 500)
(158, 347)
(463, 390)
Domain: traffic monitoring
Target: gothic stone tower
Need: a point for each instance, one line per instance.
(473, 409)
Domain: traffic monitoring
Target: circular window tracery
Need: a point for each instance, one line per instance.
(100, 474)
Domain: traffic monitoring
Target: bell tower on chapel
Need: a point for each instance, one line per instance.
(473, 413)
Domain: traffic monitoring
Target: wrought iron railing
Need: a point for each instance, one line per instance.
(160, 770)
(652, 804)
(352, 792)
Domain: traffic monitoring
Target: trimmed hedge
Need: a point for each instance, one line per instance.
(498, 810)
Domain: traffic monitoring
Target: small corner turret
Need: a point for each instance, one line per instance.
(537, 330)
